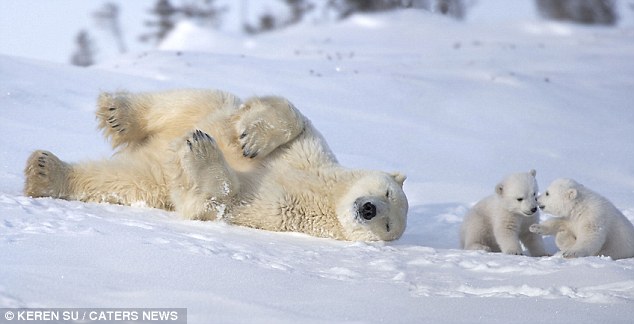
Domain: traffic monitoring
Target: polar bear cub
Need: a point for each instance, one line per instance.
(587, 224)
(498, 223)
(209, 156)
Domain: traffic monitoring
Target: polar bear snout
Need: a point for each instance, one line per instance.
(367, 211)
(369, 208)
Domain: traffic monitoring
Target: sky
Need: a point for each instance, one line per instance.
(46, 29)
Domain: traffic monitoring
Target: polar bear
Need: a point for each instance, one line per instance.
(499, 222)
(208, 156)
(587, 224)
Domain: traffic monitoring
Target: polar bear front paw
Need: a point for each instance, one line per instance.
(253, 139)
(537, 229)
(46, 175)
(570, 254)
(265, 123)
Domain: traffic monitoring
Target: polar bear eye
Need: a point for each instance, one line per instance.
(547, 194)
(387, 194)
(520, 199)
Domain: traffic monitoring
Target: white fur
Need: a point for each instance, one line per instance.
(498, 223)
(587, 224)
(260, 164)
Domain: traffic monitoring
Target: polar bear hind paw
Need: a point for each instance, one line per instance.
(117, 119)
(201, 145)
(45, 175)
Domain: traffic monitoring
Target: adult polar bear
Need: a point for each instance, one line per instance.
(264, 166)
(587, 224)
(499, 222)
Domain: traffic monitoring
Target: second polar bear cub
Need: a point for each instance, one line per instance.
(498, 223)
(587, 224)
(207, 155)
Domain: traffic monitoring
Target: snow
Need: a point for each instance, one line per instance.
(454, 105)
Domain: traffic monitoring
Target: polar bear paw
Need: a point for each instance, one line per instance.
(514, 252)
(202, 147)
(570, 254)
(265, 123)
(117, 119)
(213, 182)
(255, 140)
(46, 175)
(537, 229)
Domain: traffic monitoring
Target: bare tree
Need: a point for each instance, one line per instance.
(202, 11)
(602, 12)
(84, 55)
(107, 17)
(452, 8)
(165, 21)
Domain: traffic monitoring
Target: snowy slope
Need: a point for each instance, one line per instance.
(456, 106)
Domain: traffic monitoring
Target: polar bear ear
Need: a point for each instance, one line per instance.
(571, 193)
(398, 177)
(533, 172)
(499, 188)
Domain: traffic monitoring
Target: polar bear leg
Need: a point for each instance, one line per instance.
(534, 243)
(129, 119)
(565, 240)
(476, 235)
(204, 184)
(588, 243)
(119, 181)
(264, 123)
(507, 238)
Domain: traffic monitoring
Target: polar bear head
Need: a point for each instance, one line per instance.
(559, 198)
(518, 193)
(374, 208)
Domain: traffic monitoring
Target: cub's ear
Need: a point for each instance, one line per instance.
(398, 177)
(533, 172)
(499, 188)
(571, 193)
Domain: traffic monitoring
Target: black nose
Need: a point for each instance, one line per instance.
(368, 211)
(534, 210)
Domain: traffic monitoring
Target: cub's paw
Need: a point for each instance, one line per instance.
(569, 254)
(45, 175)
(478, 246)
(514, 252)
(537, 229)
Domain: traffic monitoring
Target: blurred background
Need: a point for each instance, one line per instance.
(85, 33)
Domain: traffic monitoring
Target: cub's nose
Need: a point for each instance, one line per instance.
(368, 211)
(534, 210)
